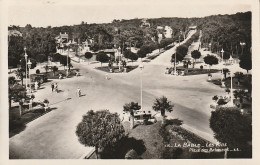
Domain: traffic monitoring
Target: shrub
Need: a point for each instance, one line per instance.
(37, 71)
(221, 102)
(215, 98)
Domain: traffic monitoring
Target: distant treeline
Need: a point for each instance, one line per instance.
(225, 31)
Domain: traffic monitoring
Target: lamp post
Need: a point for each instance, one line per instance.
(29, 66)
(175, 64)
(67, 72)
(222, 53)
(179, 40)
(141, 66)
(210, 47)
(242, 46)
(231, 89)
(25, 56)
(119, 58)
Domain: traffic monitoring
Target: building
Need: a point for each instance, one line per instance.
(14, 33)
(192, 27)
(168, 32)
(114, 53)
(145, 23)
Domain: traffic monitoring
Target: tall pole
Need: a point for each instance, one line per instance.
(141, 78)
(67, 73)
(179, 40)
(175, 63)
(29, 66)
(231, 89)
(25, 55)
(222, 52)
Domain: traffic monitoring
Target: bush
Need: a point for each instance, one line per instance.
(221, 102)
(37, 71)
(193, 138)
(215, 98)
(231, 127)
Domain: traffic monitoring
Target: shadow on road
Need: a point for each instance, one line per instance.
(60, 101)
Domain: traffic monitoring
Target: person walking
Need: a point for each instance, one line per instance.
(106, 76)
(52, 87)
(78, 92)
(56, 87)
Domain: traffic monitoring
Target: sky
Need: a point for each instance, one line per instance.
(43, 13)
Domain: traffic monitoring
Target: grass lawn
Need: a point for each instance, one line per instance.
(116, 69)
(152, 140)
(194, 71)
(157, 141)
(16, 124)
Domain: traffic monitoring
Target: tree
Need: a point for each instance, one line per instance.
(226, 55)
(99, 129)
(102, 57)
(20, 73)
(225, 71)
(246, 62)
(88, 55)
(240, 94)
(54, 69)
(239, 75)
(196, 55)
(211, 60)
(182, 50)
(231, 127)
(179, 58)
(16, 92)
(162, 104)
(247, 83)
(131, 108)
(130, 55)
(46, 67)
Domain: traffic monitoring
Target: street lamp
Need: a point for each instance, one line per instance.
(175, 73)
(141, 66)
(209, 46)
(222, 73)
(242, 45)
(29, 66)
(231, 89)
(67, 73)
(25, 56)
(119, 58)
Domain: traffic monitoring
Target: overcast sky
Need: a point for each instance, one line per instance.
(42, 13)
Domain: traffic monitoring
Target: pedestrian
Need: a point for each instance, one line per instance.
(106, 76)
(36, 85)
(52, 87)
(78, 92)
(56, 87)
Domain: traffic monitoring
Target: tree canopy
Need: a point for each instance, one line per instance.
(102, 57)
(211, 60)
(162, 104)
(231, 127)
(88, 55)
(99, 129)
(246, 62)
(195, 54)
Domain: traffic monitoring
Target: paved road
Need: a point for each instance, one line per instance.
(53, 135)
